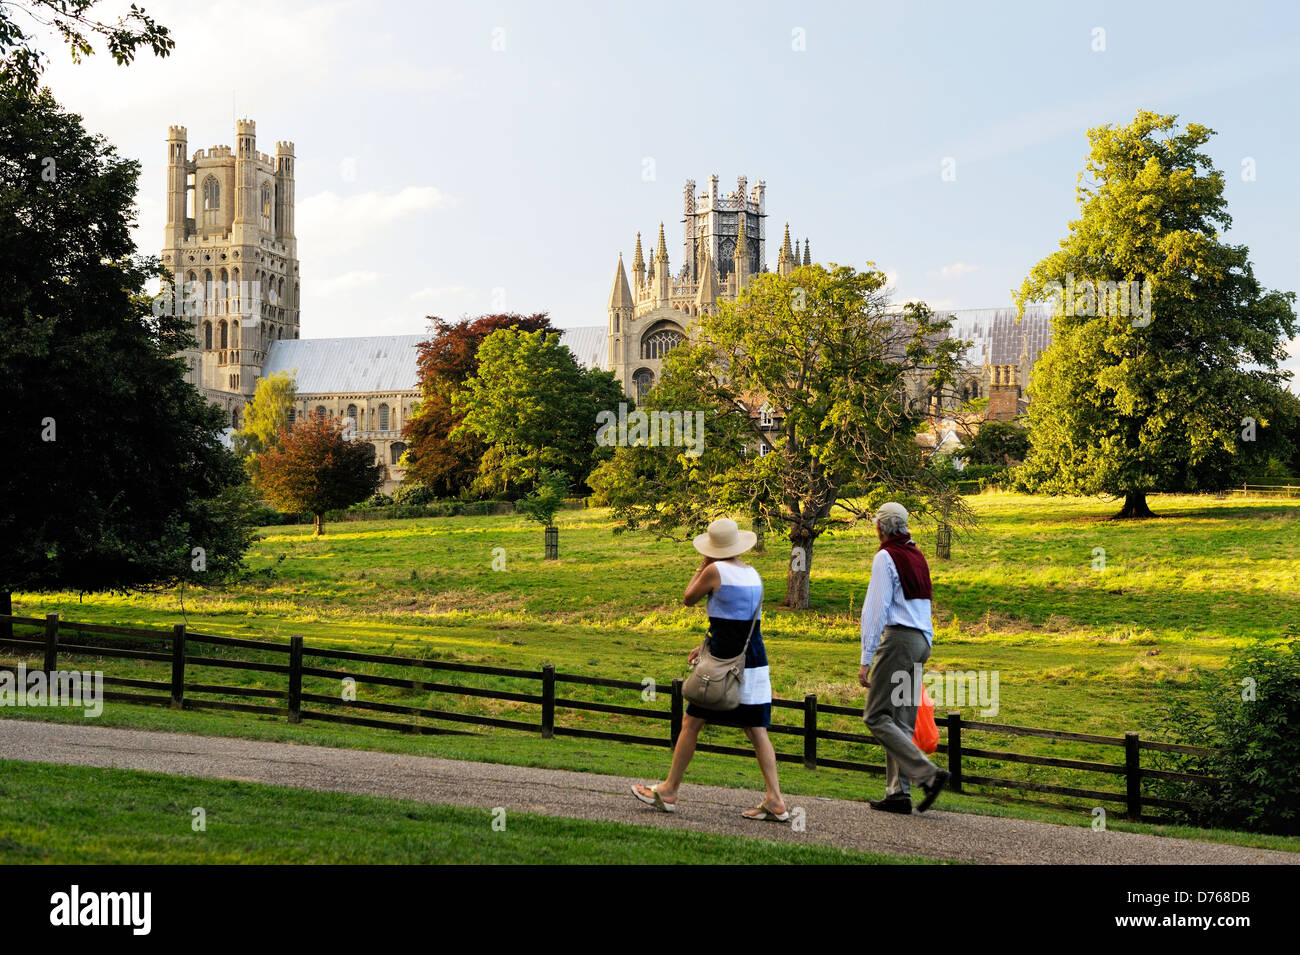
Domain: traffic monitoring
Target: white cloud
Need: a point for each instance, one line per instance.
(346, 282)
(349, 222)
(956, 270)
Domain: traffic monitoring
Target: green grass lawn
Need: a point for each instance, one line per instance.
(1075, 648)
(80, 815)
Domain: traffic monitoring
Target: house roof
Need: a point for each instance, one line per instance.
(589, 344)
(996, 335)
(326, 365)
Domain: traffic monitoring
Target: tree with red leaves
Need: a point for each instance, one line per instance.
(315, 469)
(449, 358)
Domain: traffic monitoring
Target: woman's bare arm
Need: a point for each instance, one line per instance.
(706, 580)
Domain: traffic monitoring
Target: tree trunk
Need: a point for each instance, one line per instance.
(320, 525)
(1135, 506)
(6, 607)
(797, 577)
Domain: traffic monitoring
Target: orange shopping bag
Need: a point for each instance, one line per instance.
(926, 734)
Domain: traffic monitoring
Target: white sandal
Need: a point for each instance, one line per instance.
(763, 814)
(657, 802)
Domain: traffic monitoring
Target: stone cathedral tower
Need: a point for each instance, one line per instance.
(724, 244)
(230, 246)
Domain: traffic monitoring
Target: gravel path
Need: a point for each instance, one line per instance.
(836, 822)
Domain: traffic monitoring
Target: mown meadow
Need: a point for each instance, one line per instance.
(1075, 646)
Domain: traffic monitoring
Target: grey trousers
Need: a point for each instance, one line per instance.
(892, 678)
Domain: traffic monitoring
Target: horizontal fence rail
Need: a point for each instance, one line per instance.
(295, 661)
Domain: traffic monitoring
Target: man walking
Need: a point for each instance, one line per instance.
(896, 638)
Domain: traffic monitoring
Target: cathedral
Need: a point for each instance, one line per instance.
(231, 249)
(723, 244)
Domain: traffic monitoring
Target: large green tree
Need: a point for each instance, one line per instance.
(1171, 386)
(115, 475)
(447, 464)
(831, 359)
(535, 408)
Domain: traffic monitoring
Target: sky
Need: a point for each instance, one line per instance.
(461, 158)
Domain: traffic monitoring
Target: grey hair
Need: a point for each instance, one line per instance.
(891, 525)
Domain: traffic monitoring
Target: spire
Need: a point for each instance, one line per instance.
(785, 260)
(638, 260)
(708, 292)
(740, 267)
(807, 256)
(620, 296)
(661, 253)
(650, 275)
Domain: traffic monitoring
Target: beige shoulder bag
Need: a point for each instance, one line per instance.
(715, 683)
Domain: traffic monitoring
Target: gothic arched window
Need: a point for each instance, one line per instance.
(395, 451)
(266, 206)
(644, 380)
(383, 417)
(211, 200)
(225, 336)
(660, 339)
(207, 335)
(320, 412)
(352, 413)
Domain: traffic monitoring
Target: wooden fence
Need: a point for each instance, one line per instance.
(1291, 489)
(182, 648)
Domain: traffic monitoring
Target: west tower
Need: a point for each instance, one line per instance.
(231, 249)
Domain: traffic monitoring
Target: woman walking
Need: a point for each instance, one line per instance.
(735, 606)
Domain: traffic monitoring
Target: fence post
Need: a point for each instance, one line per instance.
(178, 667)
(675, 727)
(954, 751)
(548, 701)
(810, 731)
(1133, 775)
(295, 679)
(51, 642)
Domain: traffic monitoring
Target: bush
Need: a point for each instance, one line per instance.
(990, 474)
(1248, 712)
(378, 499)
(410, 493)
(263, 514)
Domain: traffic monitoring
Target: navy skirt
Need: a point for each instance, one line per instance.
(746, 714)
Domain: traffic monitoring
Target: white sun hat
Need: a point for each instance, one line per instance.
(724, 539)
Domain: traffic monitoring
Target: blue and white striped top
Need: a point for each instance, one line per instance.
(731, 609)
